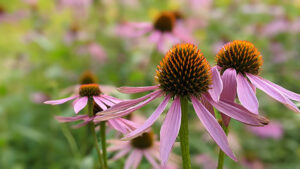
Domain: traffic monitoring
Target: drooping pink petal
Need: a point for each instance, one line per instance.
(217, 85)
(122, 125)
(271, 91)
(213, 127)
(246, 94)
(137, 159)
(161, 43)
(229, 85)
(130, 90)
(130, 160)
(107, 102)
(121, 153)
(229, 90)
(287, 93)
(80, 104)
(208, 106)
(169, 130)
(97, 99)
(151, 160)
(112, 99)
(125, 112)
(237, 112)
(63, 119)
(183, 34)
(149, 122)
(83, 123)
(155, 36)
(129, 103)
(60, 101)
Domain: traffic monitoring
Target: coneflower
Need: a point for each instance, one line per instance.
(163, 31)
(240, 63)
(183, 75)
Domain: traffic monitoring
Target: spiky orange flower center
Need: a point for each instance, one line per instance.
(143, 141)
(241, 56)
(89, 90)
(184, 71)
(87, 78)
(165, 22)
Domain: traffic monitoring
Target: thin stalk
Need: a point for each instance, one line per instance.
(221, 153)
(103, 142)
(92, 128)
(184, 135)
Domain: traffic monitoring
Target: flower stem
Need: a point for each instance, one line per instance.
(221, 153)
(103, 142)
(184, 135)
(92, 128)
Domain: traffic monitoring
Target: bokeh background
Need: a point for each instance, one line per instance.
(45, 45)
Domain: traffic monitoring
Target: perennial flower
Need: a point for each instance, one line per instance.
(239, 63)
(184, 73)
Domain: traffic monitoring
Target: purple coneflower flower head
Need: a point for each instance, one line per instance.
(144, 145)
(240, 63)
(183, 73)
(89, 90)
(164, 31)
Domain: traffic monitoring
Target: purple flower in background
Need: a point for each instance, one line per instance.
(101, 103)
(144, 145)
(183, 73)
(240, 63)
(272, 130)
(164, 32)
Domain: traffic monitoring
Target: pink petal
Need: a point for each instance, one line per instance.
(229, 90)
(229, 85)
(149, 122)
(246, 94)
(121, 153)
(271, 91)
(138, 159)
(217, 85)
(107, 102)
(183, 34)
(63, 119)
(80, 104)
(151, 160)
(97, 99)
(287, 93)
(125, 112)
(130, 90)
(121, 125)
(129, 103)
(155, 36)
(112, 99)
(213, 127)
(237, 112)
(60, 101)
(161, 43)
(130, 160)
(169, 130)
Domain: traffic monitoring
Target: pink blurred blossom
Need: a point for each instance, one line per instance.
(273, 130)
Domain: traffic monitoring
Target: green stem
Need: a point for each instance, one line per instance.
(184, 135)
(221, 153)
(103, 142)
(92, 128)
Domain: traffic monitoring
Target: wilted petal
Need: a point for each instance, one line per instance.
(60, 101)
(271, 91)
(217, 85)
(169, 130)
(80, 104)
(213, 127)
(246, 94)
